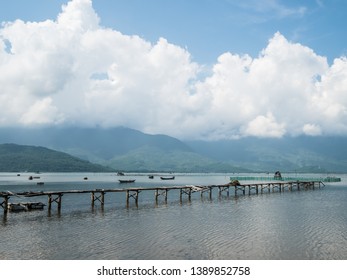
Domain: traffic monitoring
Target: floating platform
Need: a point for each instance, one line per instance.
(283, 179)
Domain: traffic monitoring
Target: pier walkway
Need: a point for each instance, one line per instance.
(98, 195)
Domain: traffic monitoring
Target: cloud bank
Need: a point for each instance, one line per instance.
(73, 71)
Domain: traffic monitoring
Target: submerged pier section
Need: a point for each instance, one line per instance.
(132, 194)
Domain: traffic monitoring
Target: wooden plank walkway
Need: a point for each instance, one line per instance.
(330, 179)
(98, 195)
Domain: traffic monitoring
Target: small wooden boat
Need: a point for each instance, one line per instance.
(40, 183)
(25, 206)
(16, 207)
(168, 178)
(150, 176)
(126, 181)
(35, 205)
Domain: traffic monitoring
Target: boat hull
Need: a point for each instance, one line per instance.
(168, 178)
(126, 181)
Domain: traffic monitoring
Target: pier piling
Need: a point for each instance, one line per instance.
(4, 203)
(134, 193)
(54, 198)
(98, 196)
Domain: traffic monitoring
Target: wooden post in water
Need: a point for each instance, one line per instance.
(206, 189)
(251, 187)
(156, 194)
(59, 201)
(255, 187)
(187, 191)
(49, 202)
(92, 196)
(95, 196)
(137, 198)
(102, 198)
(6, 198)
(127, 197)
(4, 204)
(134, 195)
(222, 189)
(159, 192)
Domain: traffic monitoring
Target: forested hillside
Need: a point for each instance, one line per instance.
(17, 158)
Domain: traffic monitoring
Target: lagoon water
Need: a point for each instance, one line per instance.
(293, 225)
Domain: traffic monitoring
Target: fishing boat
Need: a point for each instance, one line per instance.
(25, 206)
(168, 178)
(16, 207)
(34, 205)
(127, 181)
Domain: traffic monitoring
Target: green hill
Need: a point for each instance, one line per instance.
(17, 158)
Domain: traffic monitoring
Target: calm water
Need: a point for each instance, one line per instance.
(291, 225)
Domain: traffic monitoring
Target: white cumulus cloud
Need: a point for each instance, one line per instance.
(72, 70)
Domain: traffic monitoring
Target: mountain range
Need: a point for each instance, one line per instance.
(126, 149)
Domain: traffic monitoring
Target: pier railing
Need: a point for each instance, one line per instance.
(98, 195)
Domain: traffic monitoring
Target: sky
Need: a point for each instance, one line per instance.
(197, 69)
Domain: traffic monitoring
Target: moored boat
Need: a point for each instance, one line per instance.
(127, 181)
(25, 206)
(168, 178)
(16, 207)
(35, 205)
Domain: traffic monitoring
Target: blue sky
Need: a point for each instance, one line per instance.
(209, 28)
(207, 69)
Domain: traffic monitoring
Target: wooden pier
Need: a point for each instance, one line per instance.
(132, 194)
